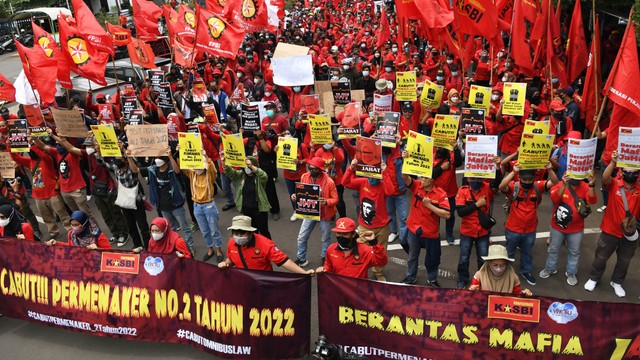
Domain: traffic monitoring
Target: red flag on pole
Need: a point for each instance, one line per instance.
(477, 17)
(520, 49)
(120, 35)
(83, 59)
(89, 26)
(183, 55)
(250, 15)
(591, 99)
(7, 91)
(40, 70)
(556, 56)
(576, 45)
(217, 36)
(51, 50)
(384, 34)
(435, 14)
(145, 18)
(141, 53)
(505, 10)
(539, 30)
(216, 6)
(620, 116)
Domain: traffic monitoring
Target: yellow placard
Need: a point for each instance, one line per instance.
(320, 125)
(536, 127)
(420, 159)
(234, 150)
(406, 87)
(514, 94)
(287, 153)
(431, 95)
(190, 151)
(534, 150)
(445, 130)
(480, 97)
(107, 140)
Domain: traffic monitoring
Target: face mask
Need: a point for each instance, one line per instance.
(526, 186)
(367, 34)
(388, 69)
(247, 171)
(365, 73)
(256, 81)
(498, 271)
(159, 162)
(4, 222)
(296, 88)
(505, 79)
(536, 99)
(574, 182)
(315, 173)
(270, 113)
(500, 54)
(374, 182)
(344, 243)
(495, 97)
(629, 177)
(449, 62)
(394, 50)
(454, 73)
(61, 150)
(377, 55)
(554, 81)
(327, 146)
(157, 236)
(199, 171)
(239, 74)
(78, 229)
(558, 115)
(90, 151)
(508, 64)
(475, 185)
(246, 94)
(267, 94)
(345, 67)
(484, 58)
(455, 99)
(241, 240)
(439, 78)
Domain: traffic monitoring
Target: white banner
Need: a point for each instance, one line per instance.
(581, 157)
(478, 158)
(292, 71)
(629, 147)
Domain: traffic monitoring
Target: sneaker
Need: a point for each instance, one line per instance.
(122, 241)
(618, 289)
(275, 217)
(530, 279)
(408, 281)
(112, 239)
(433, 284)
(380, 277)
(601, 209)
(293, 217)
(450, 239)
(546, 273)
(194, 227)
(590, 285)
(302, 263)
(460, 284)
(392, 238)
(228, 207)
(571, 279)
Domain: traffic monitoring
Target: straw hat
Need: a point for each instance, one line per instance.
(497, 252)
(241, 222)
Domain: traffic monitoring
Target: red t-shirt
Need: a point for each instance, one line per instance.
(613, 215)
(332, 163)
(357, 261)
(175, 124)
(26, 232)
(510, 140)
(257, 254)
(373, 201)
(470, 225)
(447, 181)
(576, 222)
(69, 172)
(279, 124)
(420, 216)
(43, 179)
(523, 216)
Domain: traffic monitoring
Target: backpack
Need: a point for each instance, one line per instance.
(514, 196)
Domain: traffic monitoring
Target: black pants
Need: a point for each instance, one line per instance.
(272, 196)
(137, 219)
(186, 185)
(341, 207)
(259, 220)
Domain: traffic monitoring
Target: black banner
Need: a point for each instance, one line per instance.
(308, 201)
(156, 77)
(250, 116)
(341, 92)
(473, 121)
(165, 100)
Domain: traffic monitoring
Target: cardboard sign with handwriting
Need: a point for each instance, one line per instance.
(148, 140)
(69, 123)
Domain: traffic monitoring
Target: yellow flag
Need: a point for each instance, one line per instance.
(431, 95)
(190, 151)
(287, 153)
(536, 127)
(234, 150)
(445, 130)
(420, 159)
(107, 140)
(406, 87)
(514, 94)
(534, 150)
(320, 125)
(480, 97)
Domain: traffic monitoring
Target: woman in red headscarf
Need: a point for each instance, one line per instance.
(166, 241)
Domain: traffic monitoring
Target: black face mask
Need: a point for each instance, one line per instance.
(526, 186)
(536, 100)
(558, 115)
(344, 243)
(574, 182)
(315, 173)
(121, 164)
(630, 177)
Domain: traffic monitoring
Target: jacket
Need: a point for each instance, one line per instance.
(177, 195)
(239, 177)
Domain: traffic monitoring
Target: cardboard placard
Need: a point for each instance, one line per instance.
(350, 126)
(479, 154)
(18, 135)
(480, 97)
(628, 147)
(37, 126)
(534, 151)
(107, 140)
(287, 153)
(156, 77)
(369, 155)
(233, 147)
(581, 157)
(129, 103)
(341, 91)
(387, 128)
(406, 86)
(431, 95)
(514, 98)
(320, 126)
(7, 167)
(382, 103)
(310, 105)
(473, 121)
(136, 117)
(69, 123)
(210, 115)
(419, 161)
(148, 140)
(199, 91)
(165, 99)
(445, 130)
(293, 70)
(536, 126)
(308, 201)
(190, 151)
(284, 50)
(250, 117)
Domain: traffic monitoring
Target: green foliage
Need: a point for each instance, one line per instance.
(111, 17)
(635, 17)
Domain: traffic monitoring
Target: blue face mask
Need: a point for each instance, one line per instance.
(475, 185)
(270, 113)
(374, 182)
(327, 146)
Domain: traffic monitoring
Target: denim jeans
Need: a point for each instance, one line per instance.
(226, 189)
(291, 189)
(482, 249)
(305, 231)
(397, 205)
(207, 217)
(525, 243)
(431, 258)
(356, 201)
(573, 254)
(624, 250)
(178, 215)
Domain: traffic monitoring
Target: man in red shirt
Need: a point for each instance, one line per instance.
(613, 239)
(429, 203)
(248, 250)
(520, 228)
(274, 120)
(350, 256)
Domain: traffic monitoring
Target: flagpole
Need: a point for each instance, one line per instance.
(595, 46)
(491, 66)
(115, 73)
(68, 103)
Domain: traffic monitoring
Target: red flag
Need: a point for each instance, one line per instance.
(7, 91)
(555, 51)
(188, 18)
(622, 84)
(539, 30)
(171, 19)
(384, 34)
(51, 50)
(620, 116)
(477, 17)
(576, 45)
(217, 36)
(120, 35)
(530, 9)
(183, 55)
(520, 49)
(40, 71)
(408, 9)
(141, 53)
(145, 18)
(216, 6)
(591, 99)
(505, 10)
(83, 59)
(435, 14)
(91, 28)
(250, 15)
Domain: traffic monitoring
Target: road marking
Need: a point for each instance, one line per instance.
(494, 239)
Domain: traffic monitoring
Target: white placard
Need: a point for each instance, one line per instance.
(629, 147)
(293, 70)
(479, 154)
(261, 108)
(581, 157)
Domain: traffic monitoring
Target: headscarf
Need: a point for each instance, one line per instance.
(89, 234)
(167, 244)
(14, 227)
(503, 284)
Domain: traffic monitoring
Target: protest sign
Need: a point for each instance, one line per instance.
(35, 120)
(199, 91)
(165, 99)
(406, 87)
(18, 135)
(382, 103)
(136, 117)
(238, 93)
(581, 157)
(210, 115)
(261, 108)
(156, 77)
(629, 147)
(129, 103)
(350, 125)
(287, 153)
(293, 70)
(480, 97)
(105, 114)
(148, 140)
(284, 50)
(7, 168)
(310, 105)
(534, 151)
(320, 126)
(233, 147)
(369, 155)
(419, 161)
(536, 127)
(479, 153)
(250, 117)
(445, 130)
(69, 123)
(193, 127)
(431, 95)
(387, 128)
(107, 140)
(473, 121)
(341, 91)
(308, 201)
(128, 90)
(514, 97)
(190, 151)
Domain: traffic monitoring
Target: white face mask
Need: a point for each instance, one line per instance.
(377, 55)
(439, 78)
(500, 53)
(365, 73)
(554, 81)
(363, 46)
(267, 94)
(159, 162)
(90, 151)
(296, 88)
(394, 50)
(454, 73)
(449, 62)
(388, 69)
(157, 236)
(455, 99)
(247, 170)
(495, 97)
(345, 67)
(256, 81)
(4, 222)
(241, 240)
(505, 79)
(199, 171)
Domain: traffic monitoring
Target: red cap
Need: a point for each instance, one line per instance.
(317, 162)
(268, 88)
(241, 69)
(557, 105)
(574, 135)
(100, 96)
(344, 225)
(217, 71)
(498, 87)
